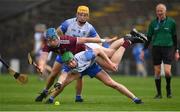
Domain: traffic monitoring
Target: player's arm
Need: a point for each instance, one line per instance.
(62, 28)
(59, 31)
(94, 34)
(42, 61)
(81, 40)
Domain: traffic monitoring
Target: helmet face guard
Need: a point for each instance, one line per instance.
(51, 34)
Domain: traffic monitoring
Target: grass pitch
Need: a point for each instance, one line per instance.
(98, 97)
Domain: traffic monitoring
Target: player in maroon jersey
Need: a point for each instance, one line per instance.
(75, 45)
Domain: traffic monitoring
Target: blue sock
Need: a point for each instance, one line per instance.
(78, 97)
(135, 99)
(51, 99)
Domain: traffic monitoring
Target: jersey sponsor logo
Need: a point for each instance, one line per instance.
(84, 33)
(64, 42)
(166, 28)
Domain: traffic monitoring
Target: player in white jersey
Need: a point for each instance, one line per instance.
(83, 63)
(78, 27)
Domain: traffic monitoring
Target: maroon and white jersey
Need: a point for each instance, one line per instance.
(67, 43)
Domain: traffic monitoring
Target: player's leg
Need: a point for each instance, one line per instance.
(79, 87)
(109, 52)
(108, 81)
(134, 37)
(54, 73)
(79, 84)
(167, 69)
(141, 70)
(157, 75)
(157, 60)
(70, 77)
(117, 56)
(168, 54)
(116, 44)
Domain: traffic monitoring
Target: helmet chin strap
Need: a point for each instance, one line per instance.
(82, 23)
(58, 43)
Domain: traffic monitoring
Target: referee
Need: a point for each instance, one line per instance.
(162, 33)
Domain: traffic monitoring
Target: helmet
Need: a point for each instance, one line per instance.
(67, 56)
(51, 33)
(83, 9)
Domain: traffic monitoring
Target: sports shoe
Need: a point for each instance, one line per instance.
(133, 39)
(169, 96)
(137, 101)
(79, 100)
(135, 33)
(158, 96)
(41, 96)
(49, 101)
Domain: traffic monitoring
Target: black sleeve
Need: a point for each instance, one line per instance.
(146, 44)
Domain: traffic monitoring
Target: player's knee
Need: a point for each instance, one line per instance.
(110, 84)
(167, 72)
(157, 72)
(53, 76)
(113, 86)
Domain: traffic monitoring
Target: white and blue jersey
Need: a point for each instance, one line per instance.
(70, 27)
(85, 64)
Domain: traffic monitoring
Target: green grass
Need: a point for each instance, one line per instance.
(97, 96)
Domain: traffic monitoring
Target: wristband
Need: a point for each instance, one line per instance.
(102, 40)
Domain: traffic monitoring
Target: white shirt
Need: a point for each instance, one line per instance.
(70, 27)
(84, 60)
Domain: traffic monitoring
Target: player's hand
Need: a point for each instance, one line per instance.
(110, 40)
(40, 69)
(142, 55)
(114, 67)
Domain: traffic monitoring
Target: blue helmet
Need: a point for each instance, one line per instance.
(51, 33)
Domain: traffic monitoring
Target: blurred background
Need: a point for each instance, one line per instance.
(21, 19)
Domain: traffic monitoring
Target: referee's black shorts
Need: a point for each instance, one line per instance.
(162, 54)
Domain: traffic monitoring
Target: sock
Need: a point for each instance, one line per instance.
(78, 97)
(136, 99)
(45, 91)
(168, 84)
(126, 44)
(51, 99)
(158, 84)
